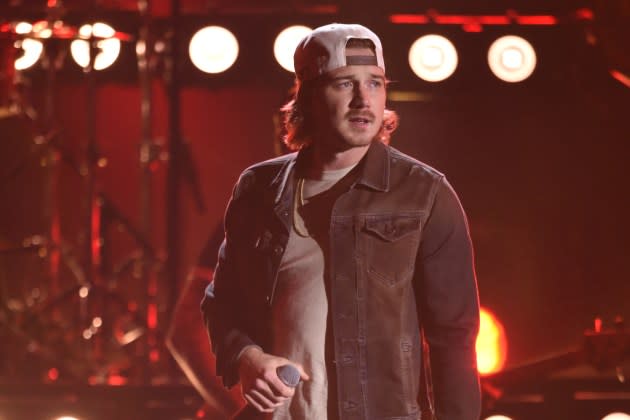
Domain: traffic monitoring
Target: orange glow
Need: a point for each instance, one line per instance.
(491, 344)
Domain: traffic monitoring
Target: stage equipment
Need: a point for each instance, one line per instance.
(586, 382)
(213, 49)
(285, 44)
(511, 58)
(433, 58)
(106, 42)
(73, 321)
(617, 416)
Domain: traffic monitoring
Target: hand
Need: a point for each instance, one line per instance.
(261, 386)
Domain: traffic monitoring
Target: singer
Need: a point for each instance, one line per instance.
(343, 258)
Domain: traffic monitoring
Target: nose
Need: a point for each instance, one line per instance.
(360, 97)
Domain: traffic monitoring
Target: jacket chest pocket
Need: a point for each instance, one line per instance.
(390, 244)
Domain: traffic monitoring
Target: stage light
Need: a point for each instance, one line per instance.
(512, 58)
(108, 48)
(32, 51)
(433, 58)
(67, 418)
(498, 417)
(617, 416)
(285, 44)
(31, 47)
(491, 344)
(213, 49)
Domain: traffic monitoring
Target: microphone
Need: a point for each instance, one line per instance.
(289, 375)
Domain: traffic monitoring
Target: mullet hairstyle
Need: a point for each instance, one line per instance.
(295, 113)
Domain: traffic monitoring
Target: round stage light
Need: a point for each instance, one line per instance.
(491, 344)
(66, 418)
(498, 417)
(23, 28)
(107, 47)
(512, 58)
(213, 49)
(285, 44)
(433, 58)
(32, 50)
(617, 416)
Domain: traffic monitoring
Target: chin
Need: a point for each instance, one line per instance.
(357, 141)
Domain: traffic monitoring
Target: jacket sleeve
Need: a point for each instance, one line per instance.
(221, 303)
(450, 307)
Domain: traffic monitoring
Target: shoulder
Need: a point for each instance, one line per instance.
(404, 164)
(262, 173)
(271, 164)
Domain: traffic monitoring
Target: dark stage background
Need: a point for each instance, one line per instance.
(540, 166)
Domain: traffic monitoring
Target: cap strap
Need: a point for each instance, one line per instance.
(361, 60)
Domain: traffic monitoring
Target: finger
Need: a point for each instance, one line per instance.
(267, 404)
(268, 389)
(303, 375)
(251, 401)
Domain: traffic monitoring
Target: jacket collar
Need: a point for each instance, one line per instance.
(375, 167)
(374, 171)
(279, 183)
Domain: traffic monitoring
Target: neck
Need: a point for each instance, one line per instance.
(323, 159)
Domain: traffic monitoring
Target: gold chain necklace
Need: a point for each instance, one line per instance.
(298, 221)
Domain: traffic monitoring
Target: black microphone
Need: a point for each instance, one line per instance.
(289, 375)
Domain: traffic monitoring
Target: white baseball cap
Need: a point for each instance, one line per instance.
(324, 50)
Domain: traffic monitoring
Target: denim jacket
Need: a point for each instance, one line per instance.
(401, 268)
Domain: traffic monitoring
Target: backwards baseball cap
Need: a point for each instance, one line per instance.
(324, 50)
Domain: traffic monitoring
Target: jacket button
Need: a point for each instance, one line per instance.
(349, 405)
(347, 359)
(278, 250)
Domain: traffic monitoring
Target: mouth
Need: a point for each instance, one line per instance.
(360, 121)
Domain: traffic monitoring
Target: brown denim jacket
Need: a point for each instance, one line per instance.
(401, 267)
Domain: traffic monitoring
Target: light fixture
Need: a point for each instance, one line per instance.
(32, 48)
(213, 49)
(66, 418)
(285, 44)
(491, 344)
(511, 58)
(617, 416)
(498, 417)
(433, 58)
(108, 47)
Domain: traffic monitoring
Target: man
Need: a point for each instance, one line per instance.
(339, 258)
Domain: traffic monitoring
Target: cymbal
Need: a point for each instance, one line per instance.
(51, 30)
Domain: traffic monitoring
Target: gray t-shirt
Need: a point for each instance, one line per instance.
(300, 310)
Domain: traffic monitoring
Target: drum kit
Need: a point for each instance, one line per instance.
(65, 313)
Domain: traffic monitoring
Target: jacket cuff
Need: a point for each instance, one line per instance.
(227, 363)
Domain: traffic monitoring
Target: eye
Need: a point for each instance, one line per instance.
(344, 84)
(375, 83)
